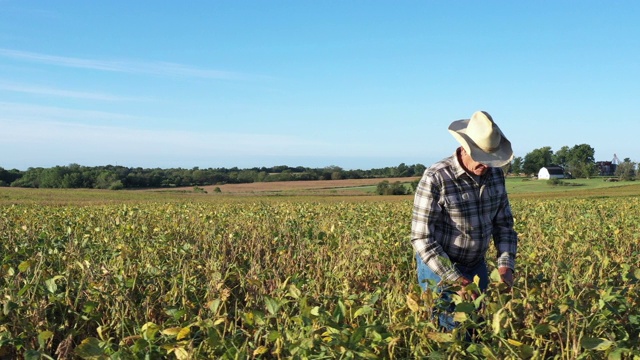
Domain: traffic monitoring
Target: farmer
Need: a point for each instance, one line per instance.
(460, 204)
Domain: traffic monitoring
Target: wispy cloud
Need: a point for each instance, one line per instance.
(70, 138)
(135, 67)
(40, 90)
(50, 143)
(29, 112)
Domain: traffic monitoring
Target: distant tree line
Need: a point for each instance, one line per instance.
(121, 177)
(577, 161)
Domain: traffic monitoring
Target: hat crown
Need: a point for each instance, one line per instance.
(482, 130)
(482, 139)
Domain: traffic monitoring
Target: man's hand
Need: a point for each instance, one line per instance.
(506, 276)
(463, 281)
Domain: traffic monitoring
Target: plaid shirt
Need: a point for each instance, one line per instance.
(454, 218)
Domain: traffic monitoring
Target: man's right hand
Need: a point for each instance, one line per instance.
(506, 276)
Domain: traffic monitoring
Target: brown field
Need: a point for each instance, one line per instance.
(330, 189)
(348, 187)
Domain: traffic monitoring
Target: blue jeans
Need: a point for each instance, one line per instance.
(428, 278)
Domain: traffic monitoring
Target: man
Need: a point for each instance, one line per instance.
(460, 204)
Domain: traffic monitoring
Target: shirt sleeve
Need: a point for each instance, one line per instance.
(427, 211)
(504, 236)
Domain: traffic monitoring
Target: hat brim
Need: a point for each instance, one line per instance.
(500, 157)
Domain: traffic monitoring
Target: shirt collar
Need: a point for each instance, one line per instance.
(457, 167)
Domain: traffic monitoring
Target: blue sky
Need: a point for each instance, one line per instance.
(355, 84)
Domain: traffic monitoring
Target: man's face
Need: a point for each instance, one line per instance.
(472, 166)
(477, 168)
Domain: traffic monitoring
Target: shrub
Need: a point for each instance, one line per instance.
(386, 188)
(116, 185)
(199, 190)
(555, 182)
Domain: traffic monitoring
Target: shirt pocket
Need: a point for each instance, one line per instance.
(462, 211)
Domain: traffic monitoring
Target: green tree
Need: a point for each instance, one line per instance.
(8, 176)
(52, 177)
(116, 185)
(398, 188)
(561, 157)
(537, 159)
(248, 176)
(382, 187)
(30, 179)
(516, 165)
(386, 188)
(72, 180)
(581, 161)
(105, 179)
(626, 170)
(402, 170)
(418, 169)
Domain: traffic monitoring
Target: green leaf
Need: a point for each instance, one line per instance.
(8, 306)
(89, 348)
(214, 305)
(616, 354)
(412, 302)
(171, 331)
(460, 317)
(24, 289)
(542, 329)
(260, 350)
(32, 355)
(440, 337)
(343, 308)
(140, 345)
(363, 311)
(294, 291)
(181, 353)
(51, 285)
(595, 343)
(465, 307)
(478, 301)
(43, 336)
(526, 351)
(176, 313)
(149, 331)
(89, 306)
(495, 275)
(497, 320)
(514, 342)
(487, 353)
(272, 305)
(24, 266)
(184, 332)
(273, 335)
(357, 335)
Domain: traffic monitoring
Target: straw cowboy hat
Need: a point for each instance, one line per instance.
(482, 139)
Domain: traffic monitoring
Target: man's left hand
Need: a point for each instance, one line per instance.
(506, 276)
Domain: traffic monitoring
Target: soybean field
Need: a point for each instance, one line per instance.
(204, 277)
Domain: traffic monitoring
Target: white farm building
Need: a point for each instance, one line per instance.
(551, 172)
